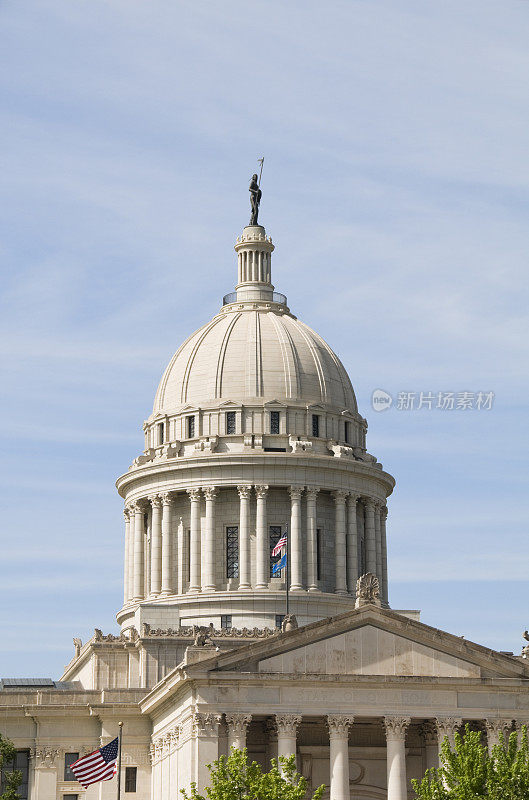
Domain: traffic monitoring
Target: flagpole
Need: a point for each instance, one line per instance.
(288, 571)
(120, 734)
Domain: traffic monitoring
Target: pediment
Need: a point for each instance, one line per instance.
(229, 403)
(369, 641)
(275, 404)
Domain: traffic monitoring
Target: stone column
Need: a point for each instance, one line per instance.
(339, 755)
(371, 554)
(378, 544)
(262, 543)
(244, 537)
(396, 756)
(194, 545)
(167, 579)
(383, 518)
(205, 731)
(312, 540)
(237, 725)
(287, 727)
(494, 728)
(446, 728)
(130, 582)
(139, 552)
(352, 544)
(126, 569)
(156, 545)
(339, 543)
(431, 746)
(296, 550)
(208, 584)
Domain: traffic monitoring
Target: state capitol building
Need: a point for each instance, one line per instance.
(255, 430)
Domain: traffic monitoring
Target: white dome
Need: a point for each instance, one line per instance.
(254, 355)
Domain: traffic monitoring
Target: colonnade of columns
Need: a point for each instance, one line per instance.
(284, 729)
(151, 573)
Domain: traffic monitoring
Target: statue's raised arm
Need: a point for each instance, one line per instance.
(255, 199)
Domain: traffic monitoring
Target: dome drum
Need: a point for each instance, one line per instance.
(203, 551)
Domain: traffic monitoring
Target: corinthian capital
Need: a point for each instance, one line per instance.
(238, 722)
(194, 495)
(497, 726)
(295, 492)
(156, 500)
(205, 724)
(396, 727)
(339, 496)
(261, 492)
(210, 492)
(312, 492)
(244, 492)
(287, 724)
(45, 757)
(339, 725)
(447, 726)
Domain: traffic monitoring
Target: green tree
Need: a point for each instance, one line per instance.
(468, 772)
(234, 778)
(11, 778)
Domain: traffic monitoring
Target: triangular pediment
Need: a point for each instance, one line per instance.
(229, 403)
(368, 641)
(275, 404)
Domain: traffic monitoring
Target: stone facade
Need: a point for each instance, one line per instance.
(255, 429)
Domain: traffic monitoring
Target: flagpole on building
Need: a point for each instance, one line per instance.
(120, 734)
(288, 571)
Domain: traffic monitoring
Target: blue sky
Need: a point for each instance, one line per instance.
(396, 190)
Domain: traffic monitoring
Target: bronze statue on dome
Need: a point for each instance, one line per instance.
(255, 194)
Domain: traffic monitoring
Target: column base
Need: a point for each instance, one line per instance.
(313, 589)
(342, 593)
(166, 593)
(209, 588)
(245, 587)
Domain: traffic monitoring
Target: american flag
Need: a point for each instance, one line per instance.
(97, 766)
(281, 543)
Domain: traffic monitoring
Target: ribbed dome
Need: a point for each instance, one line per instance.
(257, 355)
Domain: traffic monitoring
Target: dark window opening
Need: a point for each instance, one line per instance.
(70, 797)
(362, 557)
(225, 621)
(232, 552)
(319, 554)
(346, 431)
(130, 778)
(21, 763)
(275, 449)
(230, 422)
(315, 425)
(161, 433)
(69, 759)
(190, 425)
(279, 620)
(274, 422)
(274, 537)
